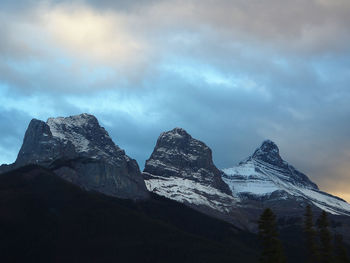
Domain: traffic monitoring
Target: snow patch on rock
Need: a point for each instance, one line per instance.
(257, 178)
(71, 129)
(189, 191)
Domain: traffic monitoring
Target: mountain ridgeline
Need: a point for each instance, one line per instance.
(180, 168)
(80, 151)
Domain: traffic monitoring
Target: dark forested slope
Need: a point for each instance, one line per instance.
(46, 219)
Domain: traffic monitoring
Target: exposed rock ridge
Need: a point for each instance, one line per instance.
(78, 149)
(177, 154)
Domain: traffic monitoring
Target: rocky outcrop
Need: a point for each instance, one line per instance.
(79, 150)
(182, 168)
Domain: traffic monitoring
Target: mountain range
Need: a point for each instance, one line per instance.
(81, 152)
(181, 168)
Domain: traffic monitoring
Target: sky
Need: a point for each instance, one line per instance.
(231, 72)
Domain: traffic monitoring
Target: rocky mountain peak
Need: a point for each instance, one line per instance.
(178, 131)
(177, 137)
(67, 137)
(178, 148)
(266, 175)
(83, 120)
(268, 152)
(178, 155)
(78, 149)
(269, 146)
(85, 134)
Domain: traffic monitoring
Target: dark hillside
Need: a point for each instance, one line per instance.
(46, 219)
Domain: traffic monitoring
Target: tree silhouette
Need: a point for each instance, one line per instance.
(325, 238)
(271, 245)
(340, 254)
(312, 253)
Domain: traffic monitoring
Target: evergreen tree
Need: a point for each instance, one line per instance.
(340, 254)
(310, 237)
(271, 245)
(325, 238)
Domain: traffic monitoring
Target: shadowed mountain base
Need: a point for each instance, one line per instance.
(46, 219)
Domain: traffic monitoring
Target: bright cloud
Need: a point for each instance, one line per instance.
(101, 36)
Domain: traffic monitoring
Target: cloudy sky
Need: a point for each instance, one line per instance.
(231, 72)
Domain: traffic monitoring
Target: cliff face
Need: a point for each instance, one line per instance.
(78, 149)
(182, 168)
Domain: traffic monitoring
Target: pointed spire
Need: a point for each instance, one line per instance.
(268, 152)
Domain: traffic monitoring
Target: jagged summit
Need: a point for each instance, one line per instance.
(178, 150)
(268, 164)
(268, 143)
(182, 168)
(78, 149)
(267, 147)
(80, 120)
(67, 137)
(83, 117)
(179, 131)
(86, 134)
(268, 152)
(178, 138)
(266, 176)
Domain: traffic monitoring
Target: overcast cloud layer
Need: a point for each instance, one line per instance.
(232, 73)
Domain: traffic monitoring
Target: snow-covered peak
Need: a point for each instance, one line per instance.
(77, 120)
(61, 126)
(266, 175)
(68, 138)
(266, 163)
(83, 131)
(71, 129)
(259, 181)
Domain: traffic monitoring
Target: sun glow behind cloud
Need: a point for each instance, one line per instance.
(103, 37)
(96, 49)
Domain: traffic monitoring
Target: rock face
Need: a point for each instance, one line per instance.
(78, 149)
(266, 177)
(182, 168)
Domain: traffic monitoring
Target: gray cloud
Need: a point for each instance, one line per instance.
(232, 73)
